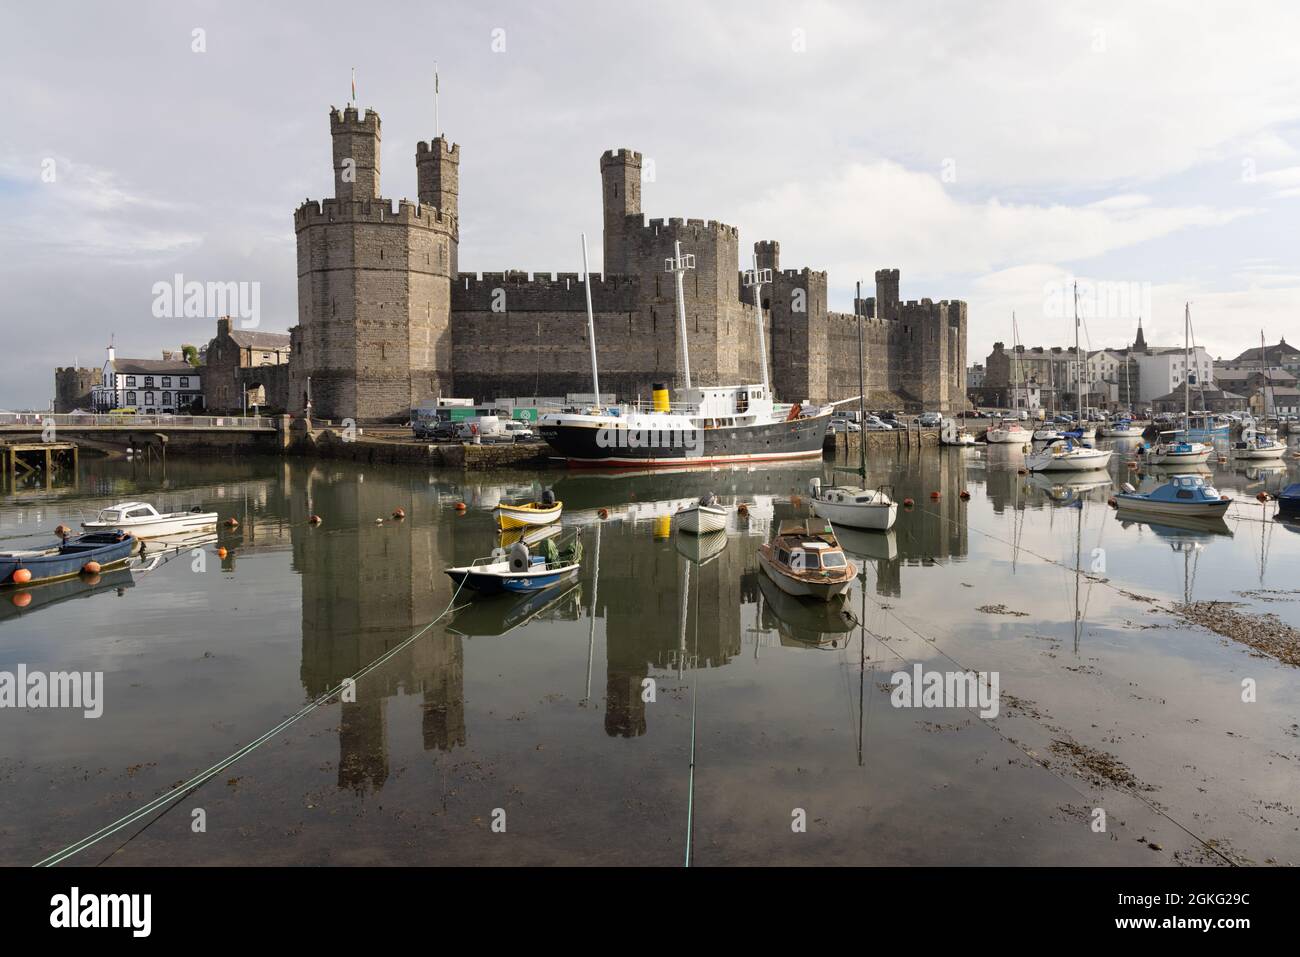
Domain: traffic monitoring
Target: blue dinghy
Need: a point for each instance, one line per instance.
(67, 558)
(1288, 500)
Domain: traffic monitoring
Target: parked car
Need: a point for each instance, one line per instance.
(930, 420)
(840, 424)
(876, 424)
(518, 431)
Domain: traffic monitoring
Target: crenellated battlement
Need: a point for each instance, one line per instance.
(805, 273)
(516, 290)
(678, 224)
(350, 119)
(425, 150)
(620, 157)
(403, 212)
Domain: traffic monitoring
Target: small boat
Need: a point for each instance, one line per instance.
(1176, 452)
(1186, 495)
(530, 535)
(702, 517)
(68, 558)
(1206, 427)
(144, 521)
(545, 512)
(1065, 455)
(1121, 429)
(1288, 500)
(1260, 447)
(517, 569)
(805, 560)
(1008, 433)
(954, 434)
(873, 509)
(1046, 434)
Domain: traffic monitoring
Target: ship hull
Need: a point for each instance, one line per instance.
(587, 446)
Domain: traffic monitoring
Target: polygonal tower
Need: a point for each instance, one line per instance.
(437, 168)
(374, 291)
(620, 180)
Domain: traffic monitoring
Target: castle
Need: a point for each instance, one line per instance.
(386, 320)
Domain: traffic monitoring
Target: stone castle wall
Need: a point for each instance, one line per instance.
(72, 388)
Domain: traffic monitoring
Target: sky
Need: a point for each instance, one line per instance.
(994, 153)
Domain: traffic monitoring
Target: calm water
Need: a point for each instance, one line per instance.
(539, 710)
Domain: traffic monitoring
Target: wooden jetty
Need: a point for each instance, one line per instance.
(22, 460)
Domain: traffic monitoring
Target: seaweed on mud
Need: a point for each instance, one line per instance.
(1266, 634)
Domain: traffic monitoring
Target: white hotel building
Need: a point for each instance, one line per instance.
(148, 386)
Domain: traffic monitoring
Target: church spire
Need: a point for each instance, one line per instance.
(1140, 343)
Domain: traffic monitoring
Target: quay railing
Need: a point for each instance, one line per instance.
(41, 420)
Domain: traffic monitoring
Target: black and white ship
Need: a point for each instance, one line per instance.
(698, 426)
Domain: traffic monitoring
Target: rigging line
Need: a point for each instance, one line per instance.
(204, 776)
(695, 685)
(1024, 749)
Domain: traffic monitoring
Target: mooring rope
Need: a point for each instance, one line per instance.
(203, 777)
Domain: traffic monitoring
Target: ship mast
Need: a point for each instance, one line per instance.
(755, 278)
(591, 323)
(678, 266)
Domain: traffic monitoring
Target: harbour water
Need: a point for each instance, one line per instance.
(562, 729)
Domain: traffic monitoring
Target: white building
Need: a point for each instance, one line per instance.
(1161, 371)
(148, 386)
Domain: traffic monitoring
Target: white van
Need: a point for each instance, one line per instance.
(487, 427)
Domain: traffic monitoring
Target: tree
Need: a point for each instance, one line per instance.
(191, 355)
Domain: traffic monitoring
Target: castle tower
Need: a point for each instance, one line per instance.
(374, 291)
(356, 153)
(886, 293)
(620, 180)
(437, 168)
(769, 255)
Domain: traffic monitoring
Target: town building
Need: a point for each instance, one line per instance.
(246, 369)
(167, 385)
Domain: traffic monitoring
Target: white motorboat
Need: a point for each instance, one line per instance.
(806, 562)
(1008, 433)
(855, 507)
(702, 517)
(1121, 429)
(144, 521)
(1260, 447)
(1064, 455)
(1046, 434)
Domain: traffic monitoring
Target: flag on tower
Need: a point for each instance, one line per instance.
(354, 84)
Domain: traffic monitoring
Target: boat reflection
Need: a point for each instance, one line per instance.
(16, 603)
(803, 624)
(500, 615)
(700, 549)
(1069, 489)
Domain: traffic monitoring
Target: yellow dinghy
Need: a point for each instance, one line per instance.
(545, 512)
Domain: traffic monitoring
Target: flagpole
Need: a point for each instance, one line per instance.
(437, 127)
(354, 86)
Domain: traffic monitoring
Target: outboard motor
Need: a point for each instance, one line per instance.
(520, 559)
(708, 500)
(1128, 487)
(548, 496)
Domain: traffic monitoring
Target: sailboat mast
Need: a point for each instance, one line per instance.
(862, 397)
(1263, 368)
(591, 323)
(1187, 368)
(1078, 366)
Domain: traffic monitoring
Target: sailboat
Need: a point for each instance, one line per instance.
(1260, 445)
(1169, 450)
(1065, 454)
(697, 426)
(1121, 425)
(856, 507)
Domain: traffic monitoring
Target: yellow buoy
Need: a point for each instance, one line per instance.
(663, 526)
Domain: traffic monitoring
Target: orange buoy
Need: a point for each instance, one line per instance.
(742, 510)
(63, 531)
(964, 496)
(91, 568)
(1224, 498)
(460, 506)
(908, 503)
(603, 513)
(22, 599)
(1022, 471)
(934, 496)
(90, 579)
(221, 552)
(399, 513)
(22, 576)
(314, 520)
(1112, 502)
(232, 522)
(1262, 496)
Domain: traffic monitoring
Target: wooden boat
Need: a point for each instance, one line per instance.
(545, 512)
(805, 560)
(68, 558)
(702, 517)
(144, 521)
(530, 535)
(516, 569)
(1182, 495)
